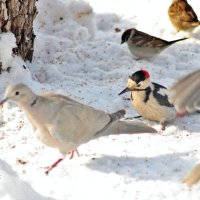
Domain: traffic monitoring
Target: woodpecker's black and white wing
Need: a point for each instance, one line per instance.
(185, 94)
(161, 94)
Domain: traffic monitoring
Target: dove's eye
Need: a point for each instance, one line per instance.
(17, 93)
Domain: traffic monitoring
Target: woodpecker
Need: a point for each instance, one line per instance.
(150, 99)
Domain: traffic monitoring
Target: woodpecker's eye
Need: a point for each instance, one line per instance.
(17, 93)
(139, 85)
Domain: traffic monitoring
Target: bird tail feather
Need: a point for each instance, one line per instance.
(174, 41)
(123, 127)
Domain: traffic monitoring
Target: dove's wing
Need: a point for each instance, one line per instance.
(74, 121)
(185, 94)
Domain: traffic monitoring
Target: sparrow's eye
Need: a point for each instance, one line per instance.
(17, 93)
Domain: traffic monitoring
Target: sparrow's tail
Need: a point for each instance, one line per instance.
(174, 41)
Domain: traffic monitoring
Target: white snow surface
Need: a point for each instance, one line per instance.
(77, 52)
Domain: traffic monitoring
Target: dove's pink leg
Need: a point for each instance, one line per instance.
(61, 159)
(72, 153)
(53, 165)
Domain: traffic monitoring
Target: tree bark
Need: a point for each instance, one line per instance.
(17, 16)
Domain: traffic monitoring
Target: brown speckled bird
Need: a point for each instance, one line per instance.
(145, 46)
(182, 16)
(150, 99)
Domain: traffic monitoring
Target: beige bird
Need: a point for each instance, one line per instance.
(182, 16)
(63, 123)
(145, 46)
(150, 99)
(193, 176)
(185, 95)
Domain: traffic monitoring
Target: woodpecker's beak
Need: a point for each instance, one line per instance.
(3, 101)
(124, 91)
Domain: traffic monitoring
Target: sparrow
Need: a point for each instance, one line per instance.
(185, 94)
(143, 45)
(182, 16)
(150, 99)
(63, 123)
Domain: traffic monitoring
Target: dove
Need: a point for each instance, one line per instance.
(63, 123)
(182, 16)
(185, 94)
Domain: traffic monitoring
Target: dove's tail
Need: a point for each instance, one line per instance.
(132, 127)
(123, 127)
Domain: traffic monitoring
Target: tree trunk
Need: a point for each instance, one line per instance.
(17, 16)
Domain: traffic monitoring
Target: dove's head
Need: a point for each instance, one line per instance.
(19, 94)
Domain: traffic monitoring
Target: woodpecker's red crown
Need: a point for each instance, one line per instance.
(146, 73)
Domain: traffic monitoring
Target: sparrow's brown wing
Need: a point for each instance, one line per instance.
(142, 39)
(182, 11)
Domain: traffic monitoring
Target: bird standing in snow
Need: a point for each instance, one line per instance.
(150, 99)
(63, 123)
(185, 95)
(182, 16)
(143, 45)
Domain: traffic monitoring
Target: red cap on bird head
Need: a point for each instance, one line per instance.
(146, 73)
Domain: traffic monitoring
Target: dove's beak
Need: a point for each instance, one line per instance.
(3, 101)
(124, 91)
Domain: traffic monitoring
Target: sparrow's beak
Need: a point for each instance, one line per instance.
(124, 91)
(3, 101)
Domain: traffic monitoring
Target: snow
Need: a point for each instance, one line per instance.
(78, 53)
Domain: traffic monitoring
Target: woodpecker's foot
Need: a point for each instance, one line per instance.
(126, 99)
(72, 153)
(53, 165)
(163, 126)
(136, 117)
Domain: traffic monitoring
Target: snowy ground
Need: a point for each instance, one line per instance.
(78, 53)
